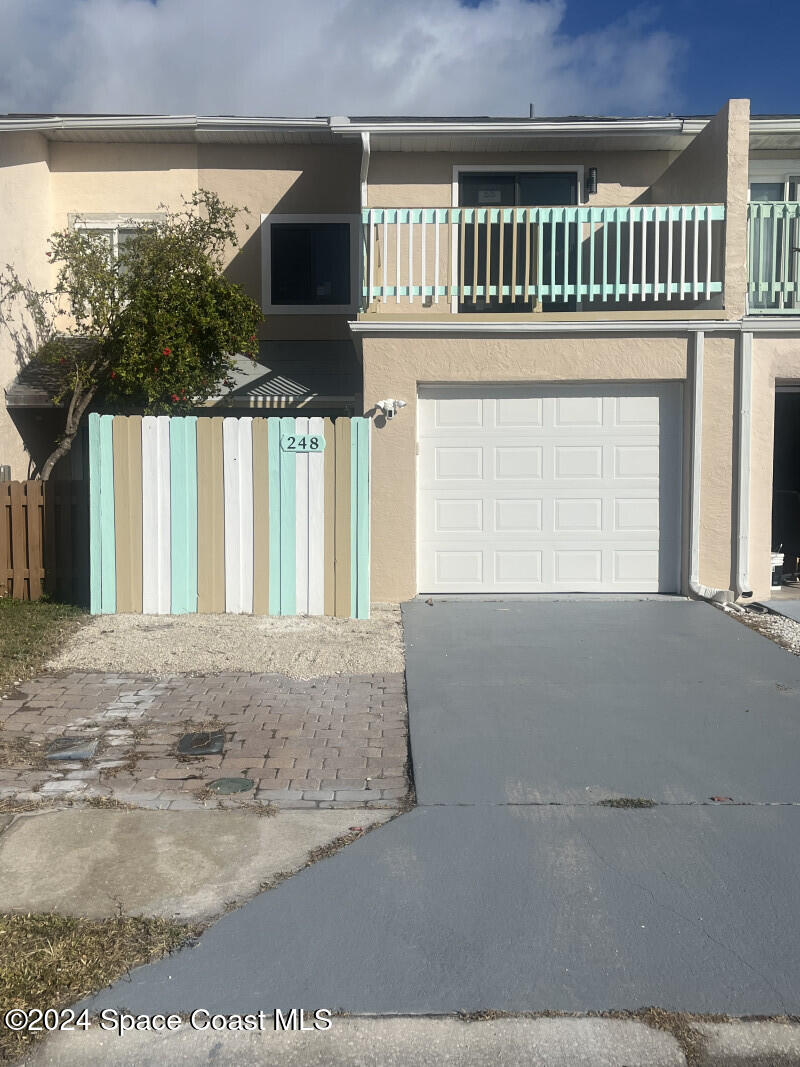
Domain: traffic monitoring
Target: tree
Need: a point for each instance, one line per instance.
(154, 328)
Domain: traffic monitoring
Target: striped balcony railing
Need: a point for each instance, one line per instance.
(542, 258)
(773, 280)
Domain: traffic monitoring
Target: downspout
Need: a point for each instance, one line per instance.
(743, 481)
(365, 153)
(705, 592)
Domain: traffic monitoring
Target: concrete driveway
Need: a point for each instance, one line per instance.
(508, 888)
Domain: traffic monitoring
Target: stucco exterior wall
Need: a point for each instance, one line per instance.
(424, 179)
(396, 366)
(718, 484)
(26, 212)
(284, 179)
(774, 359)
(120, 178)
(714, 169)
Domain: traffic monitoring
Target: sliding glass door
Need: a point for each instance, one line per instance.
(515, 189)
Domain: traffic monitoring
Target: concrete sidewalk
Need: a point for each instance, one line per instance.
(179, 865)
(450, 1042)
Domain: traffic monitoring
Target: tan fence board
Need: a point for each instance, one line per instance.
(210, 517)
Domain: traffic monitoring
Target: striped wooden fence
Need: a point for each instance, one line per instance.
(43, 537)
(261, 515)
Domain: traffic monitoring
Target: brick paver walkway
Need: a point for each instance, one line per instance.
(328, 742)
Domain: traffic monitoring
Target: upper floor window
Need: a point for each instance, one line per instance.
(114, 229)
(310, 263)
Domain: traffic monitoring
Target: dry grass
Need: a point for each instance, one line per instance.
(49, 961)
(21, 751)
(626, 802)
(30, 632)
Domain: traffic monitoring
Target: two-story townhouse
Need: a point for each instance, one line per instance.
(591, 323)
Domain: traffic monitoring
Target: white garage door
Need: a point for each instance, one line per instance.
(550, 489)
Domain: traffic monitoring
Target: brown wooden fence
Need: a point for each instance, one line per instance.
(44, 540)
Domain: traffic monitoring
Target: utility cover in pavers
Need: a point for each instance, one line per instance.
(202, 743)
(231, 785)
(78, 748)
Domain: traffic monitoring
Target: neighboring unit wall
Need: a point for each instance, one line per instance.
(714, 170)
(774, 359)
(119, 178)
(25, 206)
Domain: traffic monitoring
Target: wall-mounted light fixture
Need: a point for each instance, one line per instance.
(390, 407)
(591, 181)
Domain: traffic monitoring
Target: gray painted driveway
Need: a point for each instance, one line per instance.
(485, 898)
(575, 701)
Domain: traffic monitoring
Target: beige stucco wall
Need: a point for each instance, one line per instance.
(396, 366)
(24, 226)
(284, 179)
(424, 179)
(119, 178)
(717, 488)
(774, 359)
(714, 169)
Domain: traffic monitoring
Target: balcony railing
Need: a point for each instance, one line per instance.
(542, 258)
(773, 247)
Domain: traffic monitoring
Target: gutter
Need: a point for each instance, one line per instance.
(365, 154)
(743, 461)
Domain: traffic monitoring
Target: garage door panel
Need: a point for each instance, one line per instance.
(554, 488)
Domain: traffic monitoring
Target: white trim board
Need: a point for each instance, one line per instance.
(455, 329)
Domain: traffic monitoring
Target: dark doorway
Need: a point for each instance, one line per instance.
(786, 484)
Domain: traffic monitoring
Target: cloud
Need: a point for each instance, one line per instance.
(321, 57)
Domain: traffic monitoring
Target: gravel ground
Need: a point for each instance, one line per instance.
(298, 646)
(783, 631)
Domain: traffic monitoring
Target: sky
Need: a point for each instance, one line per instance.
(394, 57)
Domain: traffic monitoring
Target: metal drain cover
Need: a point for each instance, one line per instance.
(231, 785)
(202, 743)
(72, 748)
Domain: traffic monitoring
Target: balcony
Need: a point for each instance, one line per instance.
(773, 278)
(539, 260)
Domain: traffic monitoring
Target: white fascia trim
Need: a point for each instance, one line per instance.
(584, 326)
(522, 127)
(786, 124)
(764, 324)
(157, 122)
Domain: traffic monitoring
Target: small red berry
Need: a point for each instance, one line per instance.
(113, 374)
(174, 398)
(166, 351)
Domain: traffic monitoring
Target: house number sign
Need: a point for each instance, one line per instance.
(308, 442)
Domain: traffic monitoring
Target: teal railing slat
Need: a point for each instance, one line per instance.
(569, 269)
(773, 285)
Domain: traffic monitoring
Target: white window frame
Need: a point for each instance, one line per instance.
(267, 222)
(112, 222)
(773, 170)
(507, 168)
